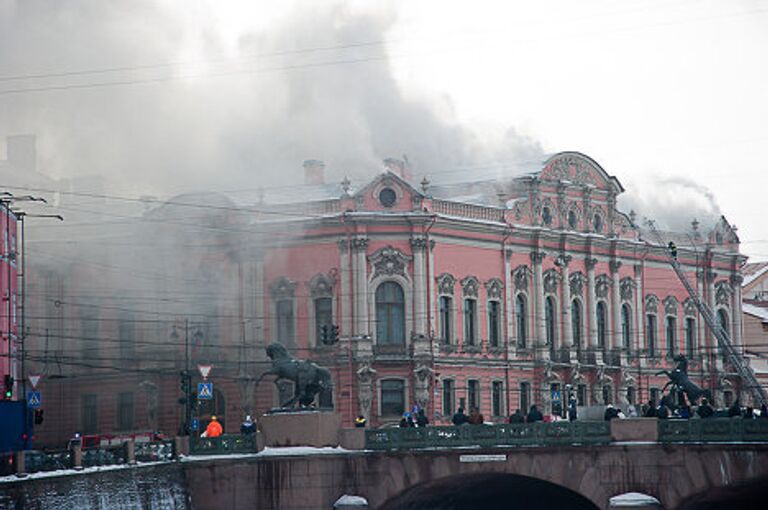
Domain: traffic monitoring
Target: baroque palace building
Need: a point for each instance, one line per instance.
(495, 294)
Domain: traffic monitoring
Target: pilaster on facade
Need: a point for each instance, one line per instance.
(419, 249)
(639, 318)
(592, 347)
(616, 328)
(508, 304)
(346, 291)
(540, 340)
(359, 247)
(563, 261)
(736, 310)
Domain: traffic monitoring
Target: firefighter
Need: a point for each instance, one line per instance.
(672, 250)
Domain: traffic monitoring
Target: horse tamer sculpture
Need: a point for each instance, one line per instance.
(678, 379)
(309, 379)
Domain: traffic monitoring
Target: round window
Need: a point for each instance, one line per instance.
(387, 197)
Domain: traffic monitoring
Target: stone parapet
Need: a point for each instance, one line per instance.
(635, 429)
(303, 428)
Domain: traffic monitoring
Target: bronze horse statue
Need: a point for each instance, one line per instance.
(309, 379)
(678, 379)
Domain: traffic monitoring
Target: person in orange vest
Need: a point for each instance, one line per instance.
(213, 429)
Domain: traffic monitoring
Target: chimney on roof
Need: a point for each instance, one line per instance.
(314, 171)
(399, 167)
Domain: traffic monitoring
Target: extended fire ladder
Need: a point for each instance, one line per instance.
(747, 376)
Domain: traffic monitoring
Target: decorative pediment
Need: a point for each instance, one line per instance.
(551, 281)
(282, 288)
(321, 286)
(577, 282)
(389, 261)
(470, 286)
(579, 169)
(446, 283)
(723, 293)
(723, 233)
(627, 287)
(494, 288)
(602, 286)
(651, 303)
(670, 305)
(689, 308)
(521, 276)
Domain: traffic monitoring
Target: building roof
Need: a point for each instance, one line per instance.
(753, 271)
(759, 311)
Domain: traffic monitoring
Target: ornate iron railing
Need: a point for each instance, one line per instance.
(224, 444)
(104, 456)
(154, 451)
(35, 460)
(713, 430)
(513, 434)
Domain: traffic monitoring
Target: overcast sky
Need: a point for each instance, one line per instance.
(668, 96)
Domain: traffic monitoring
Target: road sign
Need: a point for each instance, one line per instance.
(33, 380)
(33, 399)
(195, 424)
(204, 370)
(556, 395)
(205, 391)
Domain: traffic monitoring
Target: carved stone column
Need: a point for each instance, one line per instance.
(538, 292)
(346, 293)
(422, 375)
(418, 246)
(509, 304)
(615, 327)
(639, 315)
(737, 320)
(591, 311)
(360, 270)
(566, 307)
(712, 343)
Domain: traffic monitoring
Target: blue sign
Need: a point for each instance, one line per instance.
(205, 391)
(556, 395)
(33, 399)
(195, 424)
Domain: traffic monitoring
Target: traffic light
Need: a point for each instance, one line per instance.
(185, 385)
(8, 386)
(330, 334)
(334, 334)
(324, 333)
(39, 416)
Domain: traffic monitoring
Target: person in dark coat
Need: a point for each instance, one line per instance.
(534, 415)
(407, 421)
(735, 410)
(517, 417)
(248, 427)
(572, 410)
(662, 412)
(749, 413)
(459, 417)
(610, 413)
(651, 412)
(421, 418)
(763, 411)
(475, 417)
(705, 410)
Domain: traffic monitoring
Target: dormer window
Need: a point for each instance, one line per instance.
(546, 216)
(387, 197)
(598, 223)
(572, 221)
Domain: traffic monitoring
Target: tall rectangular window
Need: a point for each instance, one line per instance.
(650, 334)
(285, 334)
(470, 321)
(392, 397)
(448, 398)
(494, 323)
(581, 394)
(446, 319)
(125, 411)
(497, 398)
(690, 336)
(671, 335)
(525, 396)
(473, 394)
(323, 317)
(89, 422)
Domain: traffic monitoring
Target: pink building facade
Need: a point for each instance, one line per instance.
(10, 353)
(442, 302)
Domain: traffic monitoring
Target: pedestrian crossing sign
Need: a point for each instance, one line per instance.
(205, 391)
(33, 399)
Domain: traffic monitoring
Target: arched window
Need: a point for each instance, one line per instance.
(549, 320)
(690, 336)
(650, 332)
(598, 223)
(602, 330)
(626, 327)
(573, 222)
(671, 331)
(285, 322)
(576, 322)
(390, 314)
(546, 215)
(521, 313)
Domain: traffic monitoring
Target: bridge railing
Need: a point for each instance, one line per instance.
(713, 430)
(224, 444)
(513, 434)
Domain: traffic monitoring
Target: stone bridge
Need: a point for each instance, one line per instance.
(680, 476)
